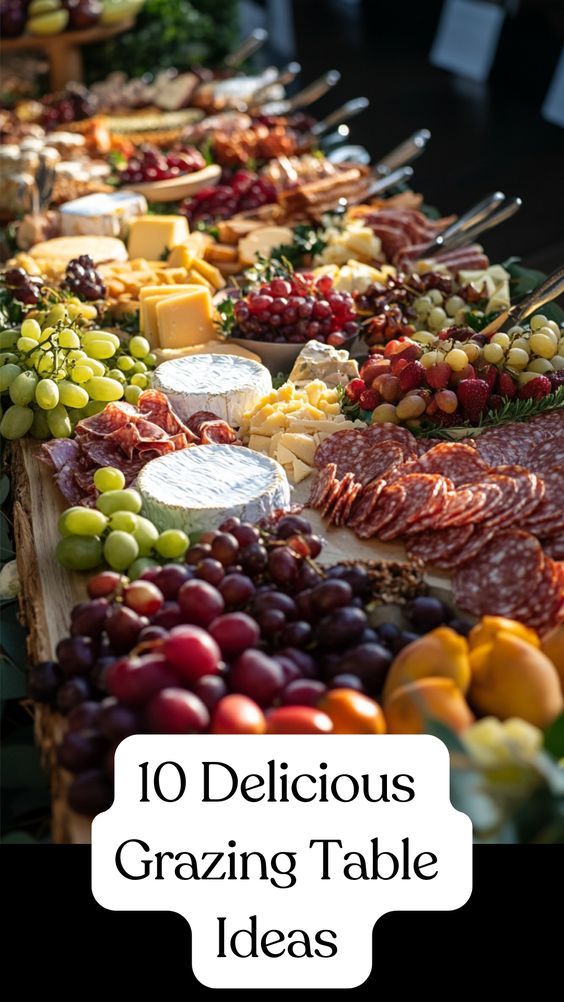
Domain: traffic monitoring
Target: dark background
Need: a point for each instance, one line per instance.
(484, 137)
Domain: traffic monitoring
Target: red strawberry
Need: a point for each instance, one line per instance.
(489, 373)
(369, 400)
(354, 389)
(412, 376)
(495, 402)
(473, 396)
(506, 385)
(535, 388)
(438, 375)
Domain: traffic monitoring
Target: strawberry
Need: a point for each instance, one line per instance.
(473, 396)
(495, 402)
(369, 400)
(438, 375)
(506, 385)
(489, 373)
(354, 389)
(412, 376)
(536, 388)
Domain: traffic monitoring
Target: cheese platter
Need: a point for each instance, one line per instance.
(275, 445)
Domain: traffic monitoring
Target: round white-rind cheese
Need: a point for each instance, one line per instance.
(195, 489)
(225, 384)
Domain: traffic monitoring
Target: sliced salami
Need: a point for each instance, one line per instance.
(480, 537)
(420, 490)
(554, 547)
(339, 448)
(217, 432)
(321, 485)
(501, 576)
(389, 505)
(366, 502)
(430, 517)
(337, 512)
(435, 547)
(459, 461)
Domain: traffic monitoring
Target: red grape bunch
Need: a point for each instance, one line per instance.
(243, 191)
(296, 308)
(150, 164)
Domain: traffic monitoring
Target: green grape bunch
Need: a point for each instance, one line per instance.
(55, 371)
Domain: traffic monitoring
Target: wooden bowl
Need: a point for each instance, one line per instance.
(176, 188)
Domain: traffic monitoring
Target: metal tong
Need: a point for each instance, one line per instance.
(378, 186)
(306, 96)
(246, 49)
(491, 211)
(284, 76)
(550, 289)
(350, 109)
(405, 153)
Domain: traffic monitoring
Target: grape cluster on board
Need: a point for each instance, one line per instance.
(55, 368)
(114, 532)
(243, 191)
(248, 635)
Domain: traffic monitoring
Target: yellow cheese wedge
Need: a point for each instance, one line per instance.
(151, 236)
(300, 470)
(208, 348)
(209, 272)
(302, 446)
(181, 257)
(186, 319)
(148, 299)
(260, 443)
(198, 279)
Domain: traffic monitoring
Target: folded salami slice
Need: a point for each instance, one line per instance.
(502, 576)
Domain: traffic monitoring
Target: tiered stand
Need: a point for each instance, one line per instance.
(64, 51)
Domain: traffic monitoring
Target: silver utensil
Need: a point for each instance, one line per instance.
(247, 48)
(474, 215)
(377, 187)
(405, 153)
(348, 153)
(546, 292)
(499, 212)
(343, 114)
(284, 77)
(313, 92)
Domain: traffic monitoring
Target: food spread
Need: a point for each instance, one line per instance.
(305, 463)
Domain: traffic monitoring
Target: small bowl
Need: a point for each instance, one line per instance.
(175, 188)
(280, 356)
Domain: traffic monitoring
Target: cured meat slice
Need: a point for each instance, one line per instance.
(321, 485)
(480, 537)
(546, 456)
(554, 547)
(524, 496)
(114, 415)
(388, 432)
(388, 506)
(338, 509)
(335, 448)
(59, 452)
(430, 517)
(499, 580)
(485, 499)
(217, 432)
(457, 505)
(548, 517)
(156, 407)
(365, 504)
(331, 497)
(352, 496)
(195, 420)
(461, 462)
(420, 489)
(438, 547)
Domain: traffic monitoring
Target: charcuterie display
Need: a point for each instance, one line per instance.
(286, 446)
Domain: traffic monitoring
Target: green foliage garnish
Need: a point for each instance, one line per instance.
(308, 241)
(227, 322)
(478, 323)
(510, 412)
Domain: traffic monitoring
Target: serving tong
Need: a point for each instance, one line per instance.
(313, 92)
(546, 292)
(489, 212)
(378, 186)
(350, 109)
(405, 153)
(246, 49)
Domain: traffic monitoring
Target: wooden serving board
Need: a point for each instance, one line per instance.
(49, 592)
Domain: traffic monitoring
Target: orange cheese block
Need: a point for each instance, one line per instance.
(148, 299)
(186, 319)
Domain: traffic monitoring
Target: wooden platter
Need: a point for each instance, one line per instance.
(48, 593)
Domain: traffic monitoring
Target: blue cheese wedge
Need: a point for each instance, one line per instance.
(225, 384)
(195, 489)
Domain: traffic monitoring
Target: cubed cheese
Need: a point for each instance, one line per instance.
(152, 236)
(186, 319)
(300, 470)
(302, 446)
(209, 272)
(181, 257)
(284, 455)
(260, 443)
